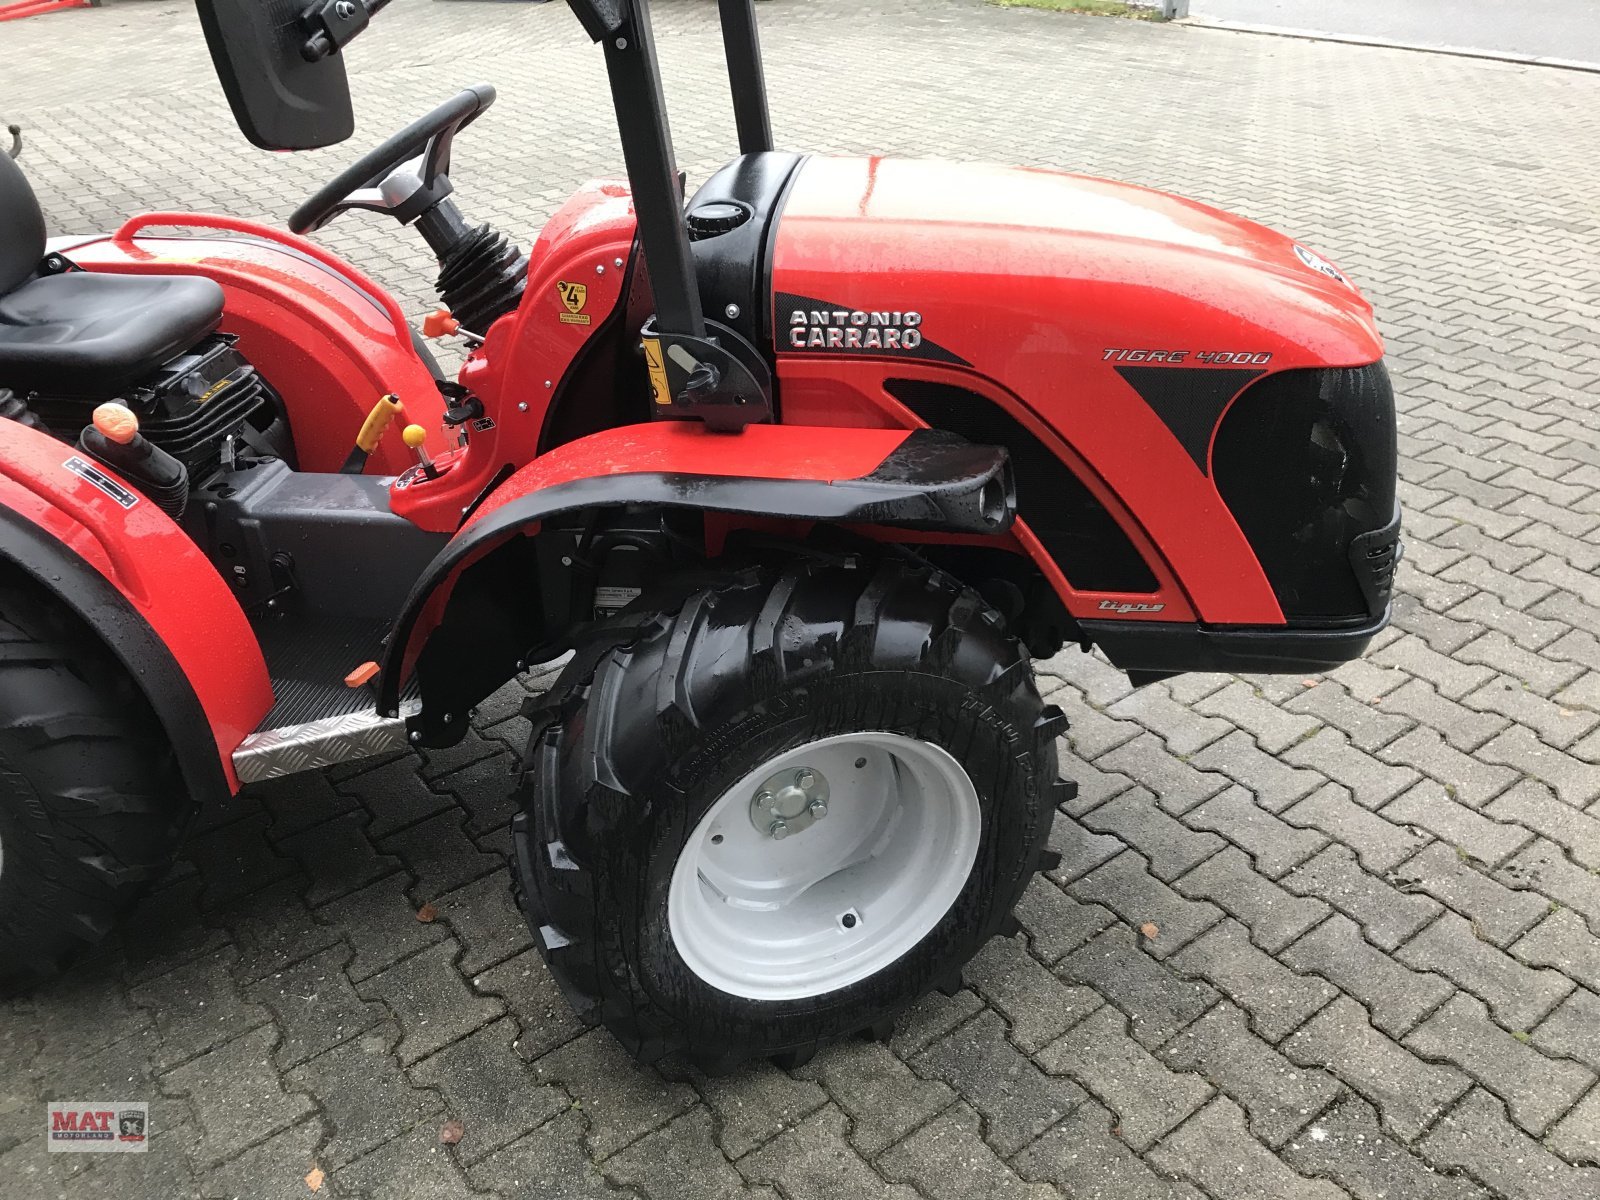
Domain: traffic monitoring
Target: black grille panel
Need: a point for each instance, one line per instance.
(1305, 461)
(1080, 535)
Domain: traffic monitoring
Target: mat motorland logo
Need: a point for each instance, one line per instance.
(98, 1127)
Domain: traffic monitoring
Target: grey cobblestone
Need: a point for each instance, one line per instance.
(1537, 808)
(432, 1002)
(1158, 1001)
(1576, 1137)
(1570, 1030)
(1562, 941)
(237, 1096)
(1544, 868)
(1165, 920)
(1148, 1098)
(814, 1162)
(1036, 1004)
(1537, 1089)
(1356, 1154)
(621, 1100)
(1083, 1156)
(1273, 783)
(1170, 846)
(1175, 782)
(1371, 781)
(1277, 999)
(1273, 728)
(364, 1094)
(550, 1163)
(1273, 846)
(1519, 996)
(1460, 726)
(1463, 776)
(882, 1097)
(1497, 913)
(947, 1160)
(1055, 923)
(1408, 1092)
(1279, 1097)
(1378, 842)
(1386, 915)
(1483, 837)
(1017, 1100)
(413, 1166)
(1366, 725)
(1275, 917)
(1215, 1150)
(684, 1152)
(315, 1006)
(754, 1106)
(488, 1089)
(1397, 996)
(1476, 1137)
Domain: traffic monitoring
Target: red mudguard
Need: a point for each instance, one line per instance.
(123, 566)
(866, 478)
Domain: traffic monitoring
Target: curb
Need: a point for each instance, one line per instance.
(1316, 35)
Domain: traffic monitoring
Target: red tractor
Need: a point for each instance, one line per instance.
(803, 473)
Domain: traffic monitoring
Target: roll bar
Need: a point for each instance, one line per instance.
(706, 377)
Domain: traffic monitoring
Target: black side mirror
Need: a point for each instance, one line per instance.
(281, 99)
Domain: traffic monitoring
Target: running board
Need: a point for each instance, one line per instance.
(290, 749)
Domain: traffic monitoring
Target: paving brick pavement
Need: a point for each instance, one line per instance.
(1375, 970)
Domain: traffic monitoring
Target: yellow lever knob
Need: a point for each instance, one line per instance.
(414, 436)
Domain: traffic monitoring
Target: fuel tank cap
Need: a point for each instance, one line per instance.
(708, 220)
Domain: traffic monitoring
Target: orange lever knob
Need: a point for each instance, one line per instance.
(439, 323)
(116, 422)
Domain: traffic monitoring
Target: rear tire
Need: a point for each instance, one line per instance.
(92, 803)
(700, 693)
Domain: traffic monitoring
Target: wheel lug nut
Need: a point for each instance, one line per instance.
(818, 809)
(804, 778)
(779, 830)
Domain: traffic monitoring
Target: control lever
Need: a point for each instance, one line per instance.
(416, 437)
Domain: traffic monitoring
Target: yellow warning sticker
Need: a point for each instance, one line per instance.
(574, 296)
(659, 389)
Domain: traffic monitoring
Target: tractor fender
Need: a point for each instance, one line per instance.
(137, 580)
(917, 479)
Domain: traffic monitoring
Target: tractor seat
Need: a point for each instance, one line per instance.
(85, 333)
(90, 334)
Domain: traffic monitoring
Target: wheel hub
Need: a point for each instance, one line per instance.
(789, 801)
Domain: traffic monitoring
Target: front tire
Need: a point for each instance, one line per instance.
(656, 772)
(92, 803)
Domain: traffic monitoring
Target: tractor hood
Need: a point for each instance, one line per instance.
(982, 265)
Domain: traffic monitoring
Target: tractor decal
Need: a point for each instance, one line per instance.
(810, 325)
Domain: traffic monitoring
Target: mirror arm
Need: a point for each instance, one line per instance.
(331, 25)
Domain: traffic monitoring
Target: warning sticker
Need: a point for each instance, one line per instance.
(574, 296)
(659, 389)
(88, 471)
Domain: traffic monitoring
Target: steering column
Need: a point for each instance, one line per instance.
(481, 273)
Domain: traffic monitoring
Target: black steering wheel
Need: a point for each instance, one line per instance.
(405, 176)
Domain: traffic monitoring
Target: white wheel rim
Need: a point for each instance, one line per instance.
(843, 897)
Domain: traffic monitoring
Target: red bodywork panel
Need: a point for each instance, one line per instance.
(158, 570)
(1025, 280)
(328, 339)
(527, 353)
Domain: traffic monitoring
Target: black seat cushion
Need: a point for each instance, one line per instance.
(88, 333)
